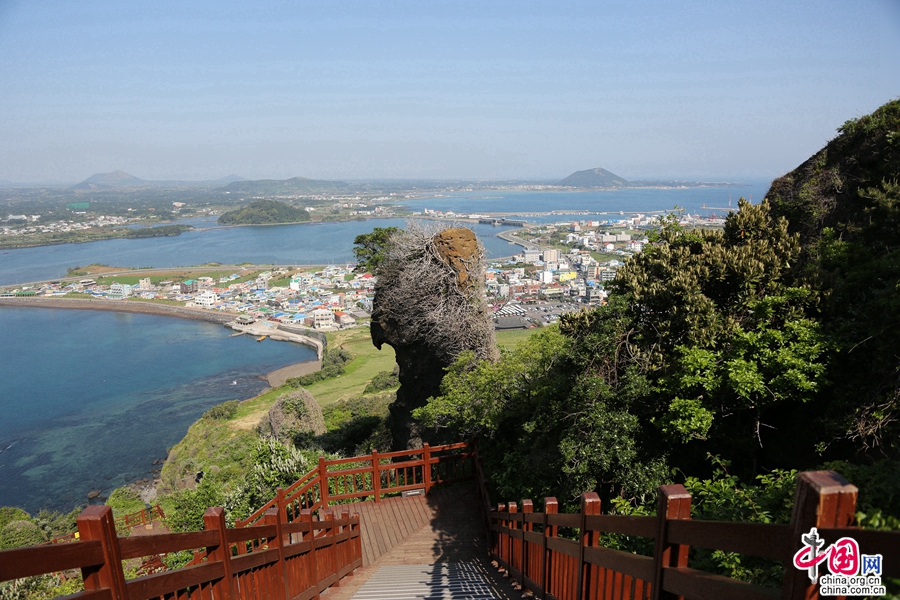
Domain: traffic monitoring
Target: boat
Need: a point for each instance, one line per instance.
(260, 338)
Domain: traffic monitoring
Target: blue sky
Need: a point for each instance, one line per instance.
(430, 89)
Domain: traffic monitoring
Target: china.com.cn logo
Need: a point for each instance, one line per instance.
(852, 573)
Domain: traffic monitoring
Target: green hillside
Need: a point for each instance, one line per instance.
(296, 185)
(264, 212)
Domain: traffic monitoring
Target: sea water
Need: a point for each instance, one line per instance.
(88, 399)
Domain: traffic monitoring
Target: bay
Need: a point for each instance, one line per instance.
(91, 398)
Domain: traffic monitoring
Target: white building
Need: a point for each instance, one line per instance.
(322, 317)
(206, 299)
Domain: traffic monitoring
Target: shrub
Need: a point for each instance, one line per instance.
(222, 412)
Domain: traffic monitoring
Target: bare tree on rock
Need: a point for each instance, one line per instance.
(429, 306)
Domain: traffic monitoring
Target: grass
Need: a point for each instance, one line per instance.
(177, 275)
(510, 338)
(368, 361)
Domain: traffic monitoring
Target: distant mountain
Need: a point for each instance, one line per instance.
(593, 178)
(297, 185)
(264, 212)
(100, 181)
(230, 179)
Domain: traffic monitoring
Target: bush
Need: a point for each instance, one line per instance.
(124, 501)
(385, 380)
(20, 533)
(222, 412)
(332, 366)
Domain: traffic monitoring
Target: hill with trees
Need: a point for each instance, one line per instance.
(296, 185)
(591, 178)
(264, 212)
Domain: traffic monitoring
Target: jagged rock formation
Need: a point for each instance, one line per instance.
(429, 306)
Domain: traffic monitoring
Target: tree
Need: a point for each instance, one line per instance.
(371, 248)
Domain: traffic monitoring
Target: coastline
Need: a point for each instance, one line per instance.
(197, 314)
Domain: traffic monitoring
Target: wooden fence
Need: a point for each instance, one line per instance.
(279, 552)
(372, 475)
(285, 560)
(528, 546)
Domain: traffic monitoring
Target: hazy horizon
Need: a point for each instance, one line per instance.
(456, 91)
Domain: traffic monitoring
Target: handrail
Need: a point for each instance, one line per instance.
(277, 564)
(565, 569)
(276, 548)
(423, 468)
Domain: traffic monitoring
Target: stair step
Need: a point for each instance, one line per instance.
(447, 581)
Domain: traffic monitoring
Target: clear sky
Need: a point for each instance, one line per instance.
(432, 89)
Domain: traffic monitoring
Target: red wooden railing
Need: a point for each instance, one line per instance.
(286, 560)
(372, 475)
(528, 547)
(278, 552)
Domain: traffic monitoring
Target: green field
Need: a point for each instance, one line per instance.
(368, 361)
(175, 276)
(510, 338)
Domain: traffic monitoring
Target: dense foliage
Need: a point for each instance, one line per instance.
(264, 212)
(161, 231)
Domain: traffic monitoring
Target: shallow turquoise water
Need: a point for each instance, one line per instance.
(88, 399)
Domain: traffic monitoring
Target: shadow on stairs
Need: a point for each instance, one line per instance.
(429, 546)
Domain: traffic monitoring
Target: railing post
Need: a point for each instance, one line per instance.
(551, 507)
(426, 467)
(376, 475)
(306, 516)
(527, 509)
(674, 503)
(590, 505)
(501, 538)
(511, 541)
(214, 520)
(821, 499)
(323, 482)
(332, 548)
(273, 517)
(96, 523)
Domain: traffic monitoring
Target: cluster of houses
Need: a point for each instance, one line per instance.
(332, 298)
(19, 224)
(574, 276)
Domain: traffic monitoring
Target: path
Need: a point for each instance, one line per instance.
(438, 546)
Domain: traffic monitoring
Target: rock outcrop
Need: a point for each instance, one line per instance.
(429, 306)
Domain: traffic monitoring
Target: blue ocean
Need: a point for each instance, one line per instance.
(89, 399)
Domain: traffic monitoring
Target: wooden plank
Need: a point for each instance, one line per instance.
(753, 539)
(37, 560)
(563, 546)
(697, 585)
(162, 543)
(635, 565)
(250, 533)
(245, 562)
(153, 586)
(564, 520)
(639, 526)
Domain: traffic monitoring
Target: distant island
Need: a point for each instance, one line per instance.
(601, 178)
(593, 178)
(264, 212)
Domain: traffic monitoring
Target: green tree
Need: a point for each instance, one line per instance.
(371, 248)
